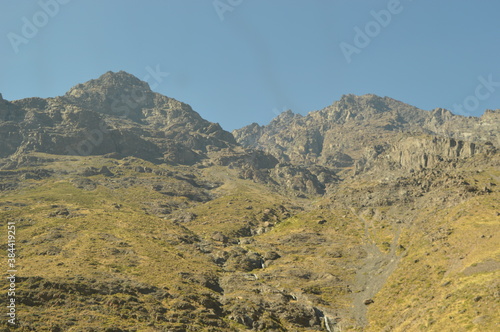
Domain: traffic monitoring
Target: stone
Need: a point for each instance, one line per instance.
(271, 255)
(105, 171)
(219, 237)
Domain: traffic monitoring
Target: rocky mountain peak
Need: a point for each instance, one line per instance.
(491, 114)
(111, 81)
(284, 118)
(353, 123)
(118, 94)
(364, 102)
(441, 115)
(441, 112)
(286, 115)
(115, 113)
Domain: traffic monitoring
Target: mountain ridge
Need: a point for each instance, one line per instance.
(134, 213)
(325, 133)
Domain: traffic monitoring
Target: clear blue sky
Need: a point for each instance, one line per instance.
(264, 56)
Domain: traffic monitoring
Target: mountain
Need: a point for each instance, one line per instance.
(339, 134)
(116, 113)
(133, 213)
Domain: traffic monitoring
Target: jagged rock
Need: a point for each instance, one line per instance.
(426, 152)
(338, 135)
(116, 113)
(219, 237)
(297, 179)
(242, 260)
(105, 171)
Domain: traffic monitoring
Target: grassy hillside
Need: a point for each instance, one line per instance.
(109, 244)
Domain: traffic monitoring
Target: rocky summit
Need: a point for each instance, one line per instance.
(128, 211)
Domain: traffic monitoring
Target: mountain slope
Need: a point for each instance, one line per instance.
(133, 213)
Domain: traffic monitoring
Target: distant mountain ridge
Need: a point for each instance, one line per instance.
(118, 113)
(341, 132)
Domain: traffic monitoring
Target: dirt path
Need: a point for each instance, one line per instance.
(376, 269)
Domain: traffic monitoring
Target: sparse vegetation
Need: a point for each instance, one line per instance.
(174, 226)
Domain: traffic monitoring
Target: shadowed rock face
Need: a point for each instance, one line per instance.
(116, 113)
